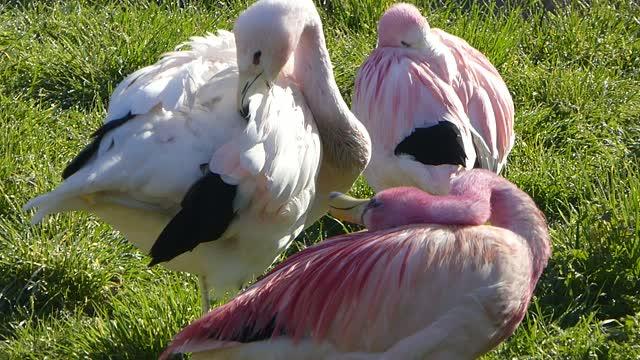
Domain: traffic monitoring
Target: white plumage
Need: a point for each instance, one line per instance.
(217, 148)
(185, 115)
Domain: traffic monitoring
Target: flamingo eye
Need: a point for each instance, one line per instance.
(405, 44)
(374, 204)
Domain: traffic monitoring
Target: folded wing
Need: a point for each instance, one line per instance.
(485, 98)
(397, 94)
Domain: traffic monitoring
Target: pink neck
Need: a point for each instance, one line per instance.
(477, 196)
(452, 210)
(511, 208)
(408, 205)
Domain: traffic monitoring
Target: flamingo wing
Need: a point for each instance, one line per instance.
(486, 100)
(367, 291)
(175, 80)
(171, 83)
(399, 95)
(269, 168)
(174, 145)
(442, 136)
(162, 123)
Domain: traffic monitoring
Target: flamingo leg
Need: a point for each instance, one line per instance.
(204, 294)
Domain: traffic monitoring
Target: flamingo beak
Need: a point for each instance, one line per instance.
(346, 208)
(250, 84)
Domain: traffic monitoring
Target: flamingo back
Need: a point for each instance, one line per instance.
(397, 91)
(174, 81)
(367, 291)
(484, 96)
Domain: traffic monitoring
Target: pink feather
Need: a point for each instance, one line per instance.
(369, 291)
(417, 77)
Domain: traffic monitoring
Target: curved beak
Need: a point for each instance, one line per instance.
(346, 208)
(249, 84)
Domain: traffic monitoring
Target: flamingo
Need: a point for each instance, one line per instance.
(427, 280)
(216, 157)
(432, 104)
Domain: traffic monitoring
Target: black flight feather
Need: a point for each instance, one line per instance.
(85, 154)
(207, 211)
(251, 332)
(435, 145)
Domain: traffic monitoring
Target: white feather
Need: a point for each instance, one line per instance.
(186, 116)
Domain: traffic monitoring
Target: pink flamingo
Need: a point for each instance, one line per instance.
(432, 104)
(428, 280)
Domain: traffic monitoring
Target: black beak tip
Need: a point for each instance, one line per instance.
(153, 262)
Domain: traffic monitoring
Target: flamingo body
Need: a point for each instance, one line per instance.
(211, 158)
(404, 291)
(176, 124)
(432, 105)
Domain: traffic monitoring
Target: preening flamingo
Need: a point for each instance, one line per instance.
(222, 142)
(428, 280)
(432, 104)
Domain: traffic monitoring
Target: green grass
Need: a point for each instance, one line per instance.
(74, 288)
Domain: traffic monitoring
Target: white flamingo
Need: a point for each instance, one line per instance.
(214, 158)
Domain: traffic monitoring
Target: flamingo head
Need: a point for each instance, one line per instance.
(266, 35)
(403, 26)
(389, 208)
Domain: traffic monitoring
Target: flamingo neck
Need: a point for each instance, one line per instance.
(457, 210)
(345, 141)
(414, 206)
(511, 209)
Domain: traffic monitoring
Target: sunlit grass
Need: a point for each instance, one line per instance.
(74, 288)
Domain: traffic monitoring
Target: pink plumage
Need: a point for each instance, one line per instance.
(418, 290)
(432, 104)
